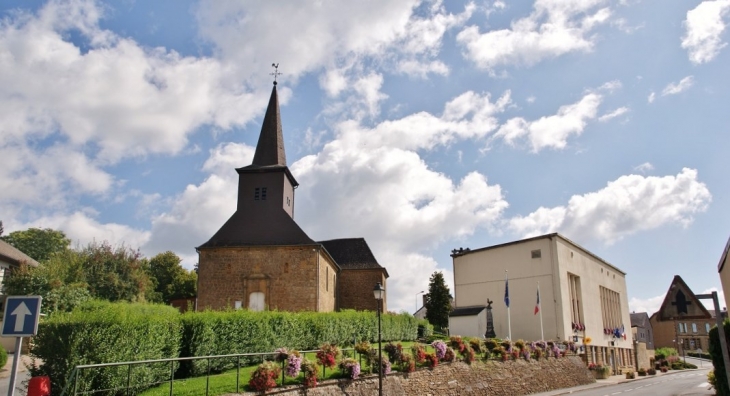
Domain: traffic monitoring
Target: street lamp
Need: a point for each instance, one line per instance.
(379, 293)
(420, 292)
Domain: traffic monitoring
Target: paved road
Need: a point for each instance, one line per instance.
(683, 383)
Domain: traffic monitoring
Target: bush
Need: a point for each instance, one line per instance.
(3, 357)
(103, 332)
(651, 371)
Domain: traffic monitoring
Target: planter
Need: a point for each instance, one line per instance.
(600, 374)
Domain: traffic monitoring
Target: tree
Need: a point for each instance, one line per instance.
(171, 280)
(38, 244)
(1, 228)
(115, 274)
(438, 301)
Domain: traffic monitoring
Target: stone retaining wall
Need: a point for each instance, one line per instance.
(492, 378)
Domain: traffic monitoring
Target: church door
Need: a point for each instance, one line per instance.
(256, 301)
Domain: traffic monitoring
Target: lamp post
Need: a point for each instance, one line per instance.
(379, 293)
(420, 292)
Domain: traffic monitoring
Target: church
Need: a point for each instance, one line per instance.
(260, 259)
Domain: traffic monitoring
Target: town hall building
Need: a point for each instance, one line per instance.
(260, 259)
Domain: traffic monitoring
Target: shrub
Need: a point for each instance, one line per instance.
(3, 356)
(264, 378)
(439, 349)
(350, 367)
(476, 345)
(103, 332)
(711, 379)
(642, 372)
(419, 352)
(311, 371)
(651, 371)
(630, 375)
(327, 355)
(431, 360)
(394, 351)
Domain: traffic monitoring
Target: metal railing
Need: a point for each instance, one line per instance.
(72, 382)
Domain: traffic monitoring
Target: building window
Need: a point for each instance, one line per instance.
(263, 193)
(694, 327)
(574, 290)
(536, 253)
(707, 328)
(679, 329)
(288, 201)
(256, 194)
(610, 308)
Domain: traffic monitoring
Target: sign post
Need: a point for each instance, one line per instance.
(20, 320)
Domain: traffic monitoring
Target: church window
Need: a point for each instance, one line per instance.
(694, 327)
(288, 201)
(536, 253)
(263, 193)
(256, 194)
(707, 327)
(237, 305)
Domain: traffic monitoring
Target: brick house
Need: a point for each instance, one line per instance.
(261, 259)
(682, 322)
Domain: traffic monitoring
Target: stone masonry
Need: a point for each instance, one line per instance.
(287, 277)
(356, 289)
(511, 378)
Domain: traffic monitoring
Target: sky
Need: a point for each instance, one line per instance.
(422, 126)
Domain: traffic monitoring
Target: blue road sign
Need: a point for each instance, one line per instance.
(21, 316)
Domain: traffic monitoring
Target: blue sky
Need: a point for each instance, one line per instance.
(421, 126)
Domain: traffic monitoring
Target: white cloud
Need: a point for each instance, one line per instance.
(651, 97)
(645, 167)
(554, 28)
(704, 27)
(681, 86)
(313, 36)
(618, 112)
(625, 206)
(551, 131)
(197, 213)
(82, 228)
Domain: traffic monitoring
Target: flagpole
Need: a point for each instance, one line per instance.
(542, 334)
(506, 300)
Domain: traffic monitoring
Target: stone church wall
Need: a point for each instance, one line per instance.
(356, 289)
(492, 378)
(286, 275)
(327, 283)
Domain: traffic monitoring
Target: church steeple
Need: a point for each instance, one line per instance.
(270, 148)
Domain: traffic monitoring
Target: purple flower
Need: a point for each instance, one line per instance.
(440, 348)
(293, 365)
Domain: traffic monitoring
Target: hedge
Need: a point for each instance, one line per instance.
(102, 332)
(231, 332)
(716, 353)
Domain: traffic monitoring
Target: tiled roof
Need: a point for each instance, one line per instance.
(468, 311)
(351, 253)
(14, 256)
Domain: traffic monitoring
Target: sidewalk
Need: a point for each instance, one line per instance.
(600, 383)
(5, 371)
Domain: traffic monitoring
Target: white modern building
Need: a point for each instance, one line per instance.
(582, 297)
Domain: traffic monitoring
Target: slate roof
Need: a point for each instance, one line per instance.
(352, 253)
(270, 147)
(640, 319)
(468, 311)
(12, 255)
(256, 228)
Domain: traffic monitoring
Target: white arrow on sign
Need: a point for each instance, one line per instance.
(21, 311)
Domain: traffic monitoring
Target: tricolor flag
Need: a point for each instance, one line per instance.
(506, 290)
(537, 305)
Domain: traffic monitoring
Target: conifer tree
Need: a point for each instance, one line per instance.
(438, 301)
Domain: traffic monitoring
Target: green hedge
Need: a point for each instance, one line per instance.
(229, 332)
(102, 332)
(716, 352)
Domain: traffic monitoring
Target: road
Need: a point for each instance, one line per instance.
(20, 385)
(684, 383)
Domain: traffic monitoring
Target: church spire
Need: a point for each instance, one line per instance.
(270, 148)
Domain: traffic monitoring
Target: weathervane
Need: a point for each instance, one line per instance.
(276, 71)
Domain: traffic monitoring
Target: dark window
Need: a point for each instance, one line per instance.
(536, 253)
(263, 193)
(256, 194)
